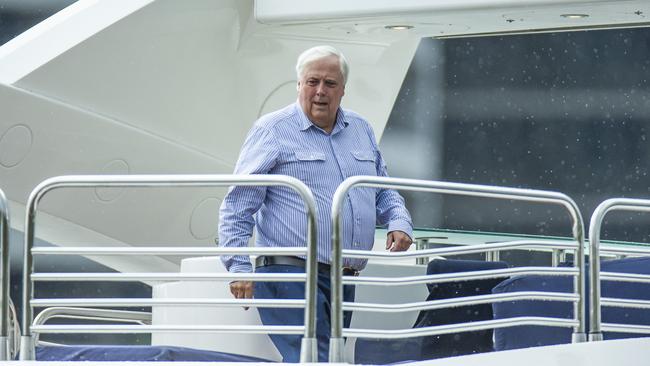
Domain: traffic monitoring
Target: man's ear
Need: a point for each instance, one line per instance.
(298, 85)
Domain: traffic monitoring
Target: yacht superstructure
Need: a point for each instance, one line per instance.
(144, 87)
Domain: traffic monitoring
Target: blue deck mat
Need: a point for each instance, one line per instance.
(136, 353)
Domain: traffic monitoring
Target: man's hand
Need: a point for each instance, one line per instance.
(242, 290)
(398, 241)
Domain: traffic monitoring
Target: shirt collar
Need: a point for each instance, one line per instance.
(305, 123)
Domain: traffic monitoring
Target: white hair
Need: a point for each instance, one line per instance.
(317, 53)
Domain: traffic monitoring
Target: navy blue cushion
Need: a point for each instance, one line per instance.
(449, 345)
(529, 336)
(135, 353)
(375, 351)
(372, 351)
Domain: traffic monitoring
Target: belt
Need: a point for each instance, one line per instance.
(264, 260)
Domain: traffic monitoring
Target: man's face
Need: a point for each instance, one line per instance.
(320, 90)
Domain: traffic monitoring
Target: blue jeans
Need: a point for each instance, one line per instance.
(289, 345)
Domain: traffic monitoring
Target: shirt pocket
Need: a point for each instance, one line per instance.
(364, 161)
(308, 166)
(309, 156)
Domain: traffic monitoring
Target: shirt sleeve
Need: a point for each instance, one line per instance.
(258, 156)
(391, 210)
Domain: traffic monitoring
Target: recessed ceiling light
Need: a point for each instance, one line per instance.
(574, 16)
(399, 27)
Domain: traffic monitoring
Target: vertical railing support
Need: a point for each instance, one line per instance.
(5, 352)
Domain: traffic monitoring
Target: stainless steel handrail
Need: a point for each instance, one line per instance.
(142, 318)
(139, 317)
(624, 277)
(463, 327)
(632, 251)
(309, 348)
(146, 276)
(622, 204)
(457, 302)
(463, 276)
(144, 302)
(465, 249)
(123, 316)
(336, 340)
(4, 273)
(161, 251)
(143, 329)
(630, 328)
(624, 303)
(422, 243)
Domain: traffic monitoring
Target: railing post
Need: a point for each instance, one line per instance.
(27, 345)
(421, 244)
(337, 342)
(5, 352)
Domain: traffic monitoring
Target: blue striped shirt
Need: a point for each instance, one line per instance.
(286, 142)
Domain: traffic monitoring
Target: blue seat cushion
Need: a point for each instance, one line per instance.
(448, 345)
(376, 351)
(530, 336)
(372, 351)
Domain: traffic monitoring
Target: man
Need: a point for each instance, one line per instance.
(321, 144)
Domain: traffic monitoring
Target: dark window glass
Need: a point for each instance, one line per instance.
(17, 16)
(568, 112)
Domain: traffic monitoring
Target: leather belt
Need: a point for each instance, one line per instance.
(264, 260)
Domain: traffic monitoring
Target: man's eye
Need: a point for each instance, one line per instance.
(312, 82)
(330, 83)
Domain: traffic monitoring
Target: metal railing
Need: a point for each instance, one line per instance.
(578, 323)
(4, 273)
(421, 243)
(309, 346)
(595, 276)
(104, 315)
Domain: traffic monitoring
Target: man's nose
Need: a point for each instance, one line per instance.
(320, 89)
